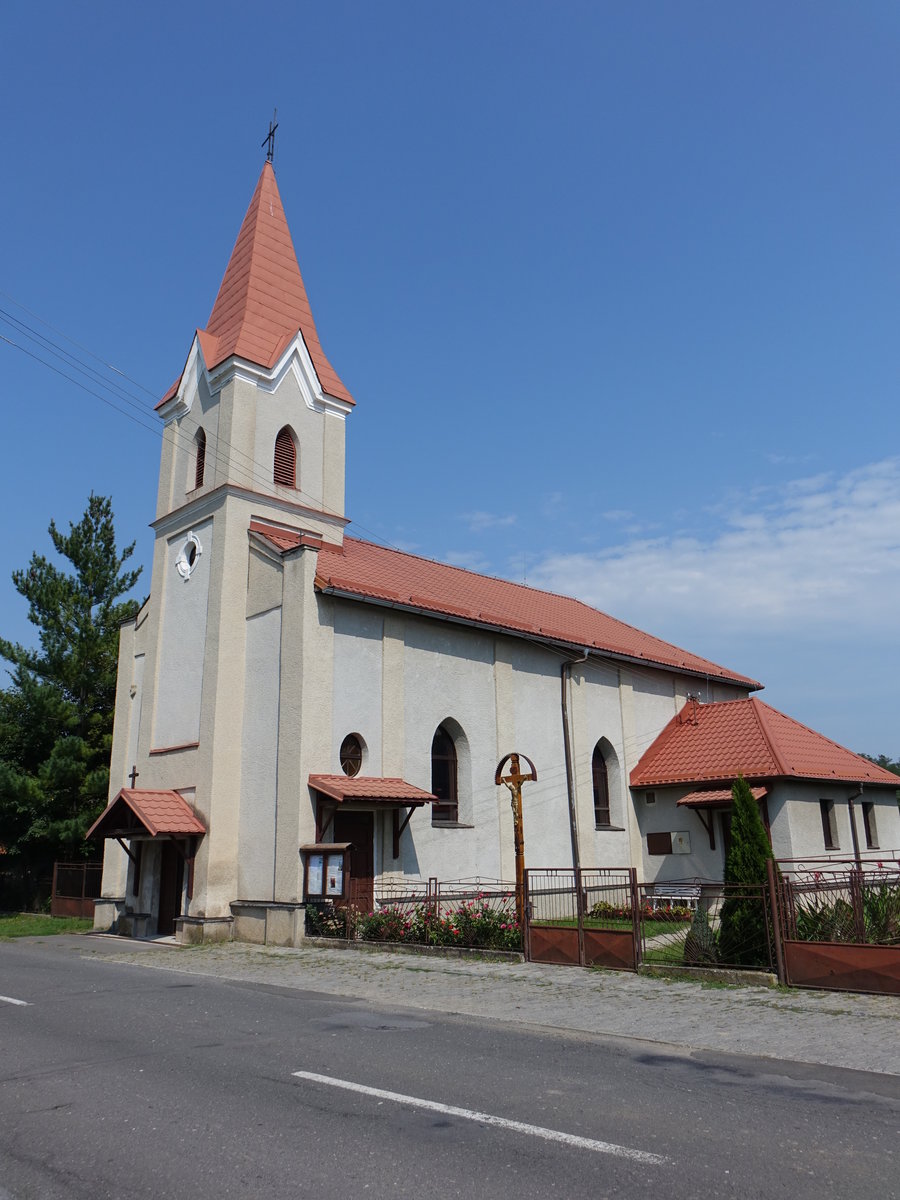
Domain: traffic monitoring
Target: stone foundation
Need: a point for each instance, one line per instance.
(196, 931)
(107, 911)
(268, 923)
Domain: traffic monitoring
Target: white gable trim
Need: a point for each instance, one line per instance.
(296, 359)
(189, 386)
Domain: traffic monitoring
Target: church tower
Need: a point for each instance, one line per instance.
(253, 439)
(249, 410)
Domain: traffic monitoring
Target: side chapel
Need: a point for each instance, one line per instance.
(288, 686)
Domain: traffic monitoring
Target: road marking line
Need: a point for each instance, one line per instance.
(11, 1000)
(468, 1114)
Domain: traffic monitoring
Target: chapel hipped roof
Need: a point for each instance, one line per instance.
(706, 743)
(262, 303)
(364, 571)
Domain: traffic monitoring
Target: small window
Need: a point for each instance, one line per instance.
(826, 807)
(444, 778)
(285, 471)
(601, 789)
(199, 458)
(868, 810)
(351, 755)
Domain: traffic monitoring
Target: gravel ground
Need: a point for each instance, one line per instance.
(835, 1029)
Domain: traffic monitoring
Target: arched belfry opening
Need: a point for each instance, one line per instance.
(199, 458)
(285, 464)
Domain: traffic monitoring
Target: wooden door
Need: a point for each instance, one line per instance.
(358, 828)
(171, 881)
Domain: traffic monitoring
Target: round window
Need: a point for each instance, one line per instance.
(351, 754)
(188, 556)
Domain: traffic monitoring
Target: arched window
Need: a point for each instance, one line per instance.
(444, 778)
(600, 779)
(199, 458)
(285, 458)
(351, 754)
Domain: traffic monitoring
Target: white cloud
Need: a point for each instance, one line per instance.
(479, 521)
(818, 553)
(472, 560)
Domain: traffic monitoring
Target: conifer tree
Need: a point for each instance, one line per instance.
(742, 934)
(56, 714)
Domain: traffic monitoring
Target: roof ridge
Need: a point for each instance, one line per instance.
(527, 587)
(777, 713)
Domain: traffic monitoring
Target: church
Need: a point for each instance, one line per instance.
(301, 713)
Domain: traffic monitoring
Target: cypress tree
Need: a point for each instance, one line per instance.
(56, 714)
(742, 933)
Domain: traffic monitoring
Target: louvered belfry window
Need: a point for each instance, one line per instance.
(201, 459)
(285, 459)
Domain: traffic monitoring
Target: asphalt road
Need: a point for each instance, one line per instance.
(120, 1081)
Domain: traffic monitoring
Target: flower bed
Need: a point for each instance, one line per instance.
(670, 913)
(470, 923)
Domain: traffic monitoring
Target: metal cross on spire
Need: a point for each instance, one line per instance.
(269, 140)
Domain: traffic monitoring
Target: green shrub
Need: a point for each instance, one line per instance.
(701, 945)
(743, 936)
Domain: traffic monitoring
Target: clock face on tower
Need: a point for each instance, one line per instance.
(188, 556)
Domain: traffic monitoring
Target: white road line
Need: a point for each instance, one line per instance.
(468, 1114)
(11, 1000)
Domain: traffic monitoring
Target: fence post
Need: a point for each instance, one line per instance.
(526, 924)
(856, 899)
(777, 929)
(579, 915)
(635, 917)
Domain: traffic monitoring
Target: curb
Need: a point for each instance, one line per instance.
(463, 952)
(732, 976)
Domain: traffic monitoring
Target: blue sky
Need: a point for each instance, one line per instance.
(615, 288)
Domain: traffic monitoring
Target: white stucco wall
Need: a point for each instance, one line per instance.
(397, 677)
(259, 758)
(182, 642)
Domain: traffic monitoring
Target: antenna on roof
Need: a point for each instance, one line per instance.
(269, 140)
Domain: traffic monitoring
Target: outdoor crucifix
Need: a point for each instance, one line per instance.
(513, 779)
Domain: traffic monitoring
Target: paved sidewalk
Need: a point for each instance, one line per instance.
(831, 1028)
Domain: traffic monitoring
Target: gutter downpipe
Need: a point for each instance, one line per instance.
(854, 835)
(565, 676)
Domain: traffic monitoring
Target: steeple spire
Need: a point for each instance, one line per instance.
(262, 303)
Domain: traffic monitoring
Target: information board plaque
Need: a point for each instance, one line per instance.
(335, 875)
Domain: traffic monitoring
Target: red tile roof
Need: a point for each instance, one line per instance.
(283, 539)
(716, 742)
(716, 797)
(262, 302)
(158, 813)
(370, 572)
(360, 787)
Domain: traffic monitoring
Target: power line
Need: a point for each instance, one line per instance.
(252, 472)
(250, 469)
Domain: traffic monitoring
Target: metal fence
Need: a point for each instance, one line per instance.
(75, 888)
(842, 903)
(463, 913)
(699, 923)
(585, 917)
(840, 924)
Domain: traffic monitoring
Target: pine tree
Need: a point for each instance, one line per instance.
(56, 715)
(743, 938)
